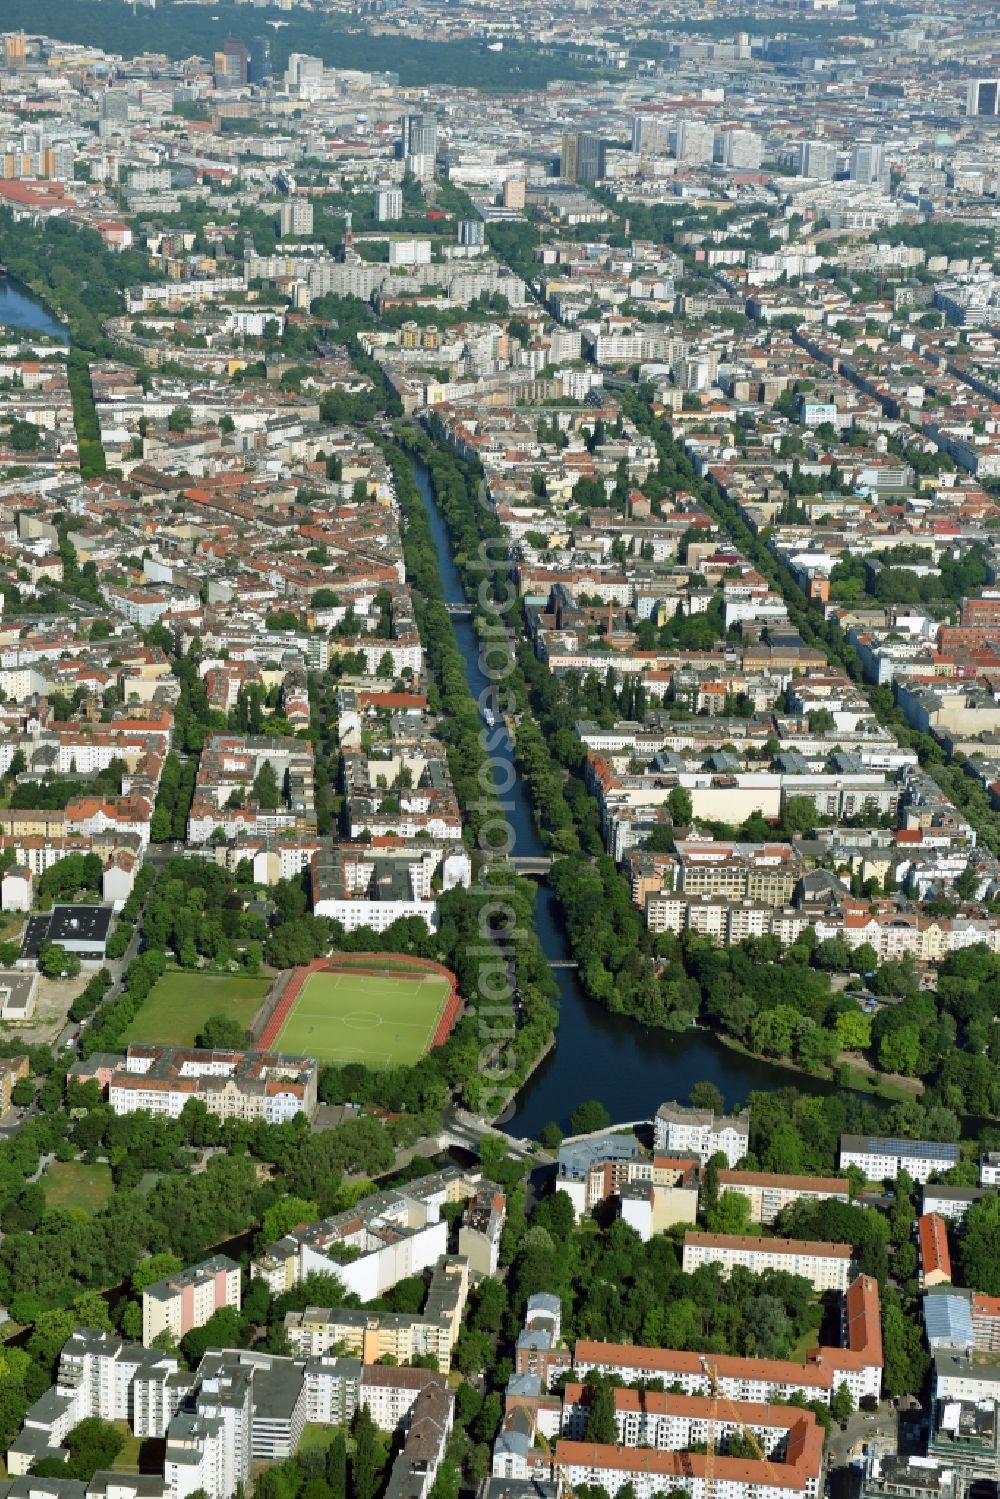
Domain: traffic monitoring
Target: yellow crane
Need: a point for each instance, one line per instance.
(542, 1441)
(713, 1424)
(712, 1375)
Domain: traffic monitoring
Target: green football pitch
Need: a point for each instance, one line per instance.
(180, 1002)
(364, 1017)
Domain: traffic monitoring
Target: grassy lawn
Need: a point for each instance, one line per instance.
(317, 1436)
(71, 1184)
(810, 1338)
(127, 1460)
(897, 1091)
(139, 1454)
(179, 1003)
(364, 1017)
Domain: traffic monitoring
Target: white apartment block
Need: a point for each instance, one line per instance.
(99, 1375)
(827, 1267)
(882, 1158)
(989, 1169)
(239, 1408)
(214, 1445)
(952, 1203)
(956, 1377)
(361, 911)
(178, 294)
(398, 1234)
(197, 1459)
(680, 1131)
(332, 1387)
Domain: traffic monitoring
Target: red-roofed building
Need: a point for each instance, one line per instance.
(657, 1433)
(858, 1364)
(935, 1257)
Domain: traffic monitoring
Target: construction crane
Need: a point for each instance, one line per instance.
(712, 1375)
(542, 1441)
(713, 1426)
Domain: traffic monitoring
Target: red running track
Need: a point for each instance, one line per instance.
(343, 964)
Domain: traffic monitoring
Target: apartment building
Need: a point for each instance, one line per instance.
(99, 1375)
(428, 1425)
(960, 1321)
(986, 1322)
(658, 1193)
(882, 1158)
(263, 1085)
(952, 1203)
(209, 1445)
(228, 771)
(591, 1169)
(935, 1257)
(396, 1234)
(377, 883)
(966, 1439)
(958, 1377)
(13, 1069)
(656, 1433)
(989, 1168)
(239, 1408)
(187, 1300)
(827, 1267)
(647, 1474)
(892, 1476)
(680, 1131)
(740, 871)
(373, 1336)
(482, 1225)
(539, 1353)
(768, 1193)
(858, 1363)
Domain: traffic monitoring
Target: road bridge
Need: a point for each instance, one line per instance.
(531, 864)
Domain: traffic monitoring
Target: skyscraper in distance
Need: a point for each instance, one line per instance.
(582, 157)
(514, 192)
(650, 133)
(695, 141)
(983, 97)
(259, 69)
(818, 159)
(868, 162)
(235, 49)
(742, 149)
(420, 134)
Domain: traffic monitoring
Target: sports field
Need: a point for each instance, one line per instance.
(365, 1017)
(179, 1003)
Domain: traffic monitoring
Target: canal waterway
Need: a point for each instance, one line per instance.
(20, 308)
(629, 1068)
